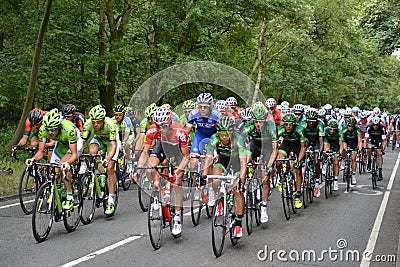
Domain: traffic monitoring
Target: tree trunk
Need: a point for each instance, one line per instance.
(34, 73)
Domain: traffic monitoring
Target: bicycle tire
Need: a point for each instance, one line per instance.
(258, 202)
(394, 141)
(327, 180)
(209, 211)
(71, 218)
(143, 192)
(24, 194)
(285, 200)
(250, 207)
(126, 181)
(218, 228)
(304, 189)
(43, 205)
(374, 173)
(155, 221)
(348, 175)
(88, 198)
(187, 184)
(196, 205)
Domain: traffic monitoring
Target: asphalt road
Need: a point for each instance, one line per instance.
(331, 232)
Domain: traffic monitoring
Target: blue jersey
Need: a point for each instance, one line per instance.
(205, 127)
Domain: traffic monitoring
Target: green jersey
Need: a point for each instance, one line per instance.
(67, 135)
(297, 135)
(236, 148)
(107, 133)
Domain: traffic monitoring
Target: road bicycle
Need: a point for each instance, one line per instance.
(308, 185)
(95, 189)
(362, 161)
(328, 172)
(288, 185)
(160, 212)
(347, 171)
(123, 171)
(48, 208)
(253, 194)
(223, 214)
(374, 166)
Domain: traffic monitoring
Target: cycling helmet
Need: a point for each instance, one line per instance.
(149, 111)
(377, 111)
(333, 124)
(363, 115)
(258, 103)
(188, 104)
(322, 112)
(355, 109)
(205, 98)
(52, 119)
(347, 113)
(285, 109)
(289, 117)
(298, 108)
(352, 121)
(270, 103)
(68, 110)
(231, 101)
(221, 105)
(162, 116)
(328, 107)
(246, 114)
(279, 107)
(260, 112)
(225, 124)
(168, 106)
(119, 109)
(285, 103)
(376, 120)
(36, 116)
(311, 114)
(97, 113)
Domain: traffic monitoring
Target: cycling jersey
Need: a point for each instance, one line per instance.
(351, 137)
(261, 140)
(291, 140)
(313, 134)
(205, 127)
(79, 120)
(375, 136)
(332, 139)
(29, 125)
(275, 116)
(67, 134)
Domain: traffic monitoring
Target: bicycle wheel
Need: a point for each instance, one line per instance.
(257, 201)
(285, 195)
(374, 173)
(126, 182)
(209, 211)
(187, 184)
(196, 204)
(394, 141)
(88, 198)
(249, 204)
(304, 192)
(348, 176)
(27, 188)
(43, 212)
(218, 226)
(143, 192)
(155, 221)
(328, 180)
(72, 217)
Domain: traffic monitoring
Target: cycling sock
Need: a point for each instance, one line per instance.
(264, 203)
(238, 220)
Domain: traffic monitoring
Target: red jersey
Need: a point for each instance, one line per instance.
(176, 135)
(275, 116)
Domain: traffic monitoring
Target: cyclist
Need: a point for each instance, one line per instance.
(103, 135)
(205, 117)
(351, 137)
(376, 136)
(34, 120)
(231, 102)
(294, 140)
(125, 131)
(314, 132)
(246, 115)
(69, 112)
(274, 114)
(174, 143)
(231, 150)
(131, 114)
(68, 148)
(332, 142)
(264, 144)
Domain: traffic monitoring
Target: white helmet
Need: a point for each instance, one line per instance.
(376, 120)
(221, 105)
(328, 107)
(231, 101)
(377, 111)
(270, 103)
(205, 98)
(246, 114)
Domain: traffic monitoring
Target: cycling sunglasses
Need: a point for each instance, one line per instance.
(52, 130)
(224, 133)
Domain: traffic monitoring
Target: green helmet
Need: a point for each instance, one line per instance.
(97, 113)
(312, 114)
(149, 111)
(52, 119)
(188, 104)
(351, 121)
(225, 124)
(333, 123)
(289, 117)
(260, 112)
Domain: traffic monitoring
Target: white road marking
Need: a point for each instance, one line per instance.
(101, 251)
(15, 204)
(378, 221)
